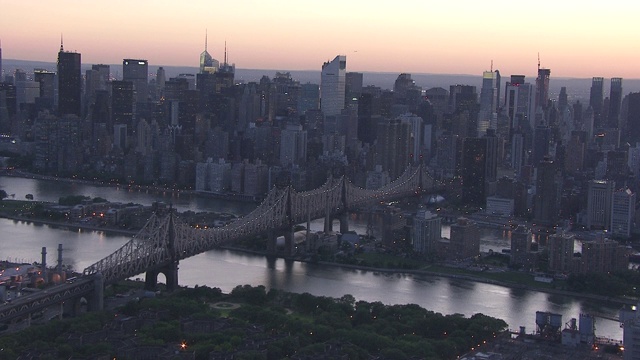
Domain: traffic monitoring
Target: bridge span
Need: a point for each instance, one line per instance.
(165, 240)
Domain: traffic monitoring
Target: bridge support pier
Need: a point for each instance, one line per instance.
(96, 302)
(170, 273)
(272, 242)
(344, 222)
(289, 243)
(328, 223)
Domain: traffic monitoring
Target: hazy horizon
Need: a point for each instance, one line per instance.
(573, 39)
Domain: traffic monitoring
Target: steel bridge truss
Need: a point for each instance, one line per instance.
(167, 239)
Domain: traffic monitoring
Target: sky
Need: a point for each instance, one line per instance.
(578, 39)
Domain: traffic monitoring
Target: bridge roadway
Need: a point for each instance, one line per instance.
(25, 305)
(165, 240)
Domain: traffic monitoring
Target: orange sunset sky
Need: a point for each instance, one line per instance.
(574, 38)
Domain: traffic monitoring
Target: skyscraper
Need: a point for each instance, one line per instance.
(622, 212)
(488, 116)
(137, 71)
(596, 100)
(615, 102)
(547, 200)
(332, 86)
(69, 83)
(542, 87)
(599, 204)
(474, 160)
(1, 75)
(207, 63)
(519, 104)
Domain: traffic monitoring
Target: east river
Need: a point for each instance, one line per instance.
(225, 269)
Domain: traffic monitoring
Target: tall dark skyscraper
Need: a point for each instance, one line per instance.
(69, 83)
(596, 100)
(137, 71)
(615, 102)
(542, 87)
(1, 75)
(474, 163)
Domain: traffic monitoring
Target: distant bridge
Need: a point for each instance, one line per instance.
(165, 240)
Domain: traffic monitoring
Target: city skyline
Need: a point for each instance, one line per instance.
(415, 37)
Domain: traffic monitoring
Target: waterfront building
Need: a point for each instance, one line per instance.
(213, 176)
(560, 248)
(426, 232)
(521, 247)
(602, 256)
(465, 239)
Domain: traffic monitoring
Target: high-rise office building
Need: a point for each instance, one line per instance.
(632, 120)
(547, 199)
(137, 71)
(207, 63)
(519, 104)
(622, 212)
(352, 88)
(473, 171)
(596, 100)
(1, 73)
(395, 142)
(488, 115)
(615, 103)
(542, 88)
(69, 83)
(122, 103)
(47, 88)
(332, 86)
(293, 145)
(599, 204)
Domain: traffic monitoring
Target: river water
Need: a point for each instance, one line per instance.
(226, 269)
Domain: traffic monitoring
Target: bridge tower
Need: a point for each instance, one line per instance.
(170, 270)
(341, 213)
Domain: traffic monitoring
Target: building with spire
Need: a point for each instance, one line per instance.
(207, 63)
(69, 82)
(542, 86)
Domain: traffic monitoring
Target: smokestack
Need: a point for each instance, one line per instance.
(44, 263)
(60, 259)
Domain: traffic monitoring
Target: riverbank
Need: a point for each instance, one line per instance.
(446, 272)
(151, 188)
(450, 273)
(67, 225)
